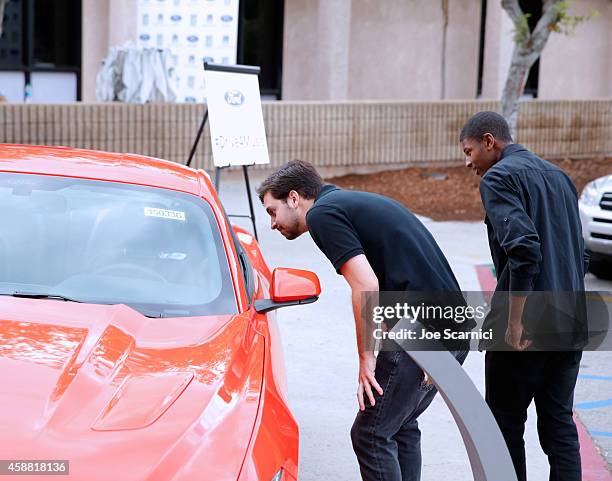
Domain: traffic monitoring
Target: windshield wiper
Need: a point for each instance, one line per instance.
(40, 295)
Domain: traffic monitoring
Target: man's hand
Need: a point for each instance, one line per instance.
(367, 381)
(361, 277)
(515, 332)
(515, 336)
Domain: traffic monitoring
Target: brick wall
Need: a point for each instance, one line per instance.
(328, 134)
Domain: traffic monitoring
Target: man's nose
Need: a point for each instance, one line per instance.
(272, 224)
(468, 162)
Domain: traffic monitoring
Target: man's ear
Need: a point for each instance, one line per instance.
(293, 199)
(489, 141)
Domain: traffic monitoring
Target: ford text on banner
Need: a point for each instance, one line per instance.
(237, 131)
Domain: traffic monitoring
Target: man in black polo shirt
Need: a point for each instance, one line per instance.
(539, 304)
(377, 245)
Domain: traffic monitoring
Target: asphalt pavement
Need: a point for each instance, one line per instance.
(321, 357)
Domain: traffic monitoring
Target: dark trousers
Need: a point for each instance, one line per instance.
(513, 379)
(386, 437)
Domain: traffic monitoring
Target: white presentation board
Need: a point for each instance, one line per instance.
(237, 130)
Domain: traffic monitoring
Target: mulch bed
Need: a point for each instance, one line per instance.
(451, 193)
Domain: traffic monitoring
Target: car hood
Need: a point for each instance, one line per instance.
(604, 184)
(125, 396)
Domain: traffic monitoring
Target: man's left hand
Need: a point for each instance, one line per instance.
(516, 333)
(515, 336)
(367, 379)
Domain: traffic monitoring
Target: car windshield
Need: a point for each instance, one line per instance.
(156, 250)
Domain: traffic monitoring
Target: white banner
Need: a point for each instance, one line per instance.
(194, 30)
(237, 131)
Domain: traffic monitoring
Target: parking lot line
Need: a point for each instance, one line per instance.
(596, 378)
(594, 404)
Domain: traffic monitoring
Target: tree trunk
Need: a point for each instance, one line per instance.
(515, 84)
(527, 50)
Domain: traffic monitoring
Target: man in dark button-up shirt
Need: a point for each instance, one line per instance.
(537, 247)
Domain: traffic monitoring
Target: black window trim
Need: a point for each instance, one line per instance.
(246, 268)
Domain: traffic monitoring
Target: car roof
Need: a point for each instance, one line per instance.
(107, 166)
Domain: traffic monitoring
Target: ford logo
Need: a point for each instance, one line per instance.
(227, 18)
(191, 100)
(145, 37)
(192, 38)
(234, 97)
(176, 18)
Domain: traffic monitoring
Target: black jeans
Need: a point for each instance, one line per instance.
(386, 437)
(513, 379)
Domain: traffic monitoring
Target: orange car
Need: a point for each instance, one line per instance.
(137, 334)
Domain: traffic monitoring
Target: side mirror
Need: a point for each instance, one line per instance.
(290, 287)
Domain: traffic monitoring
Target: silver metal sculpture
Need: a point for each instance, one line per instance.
(484, 442)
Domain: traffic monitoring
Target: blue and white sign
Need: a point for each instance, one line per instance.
(234, 97)
(193, 30)
(237, 131)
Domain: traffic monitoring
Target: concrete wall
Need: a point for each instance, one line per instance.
(95, 44)
(315, 50)
(372, 49)
(580, 66)
(497, 50)
(106, 23)
(388, 58)
(463, 48)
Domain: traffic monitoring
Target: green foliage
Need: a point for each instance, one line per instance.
(562, 21)
(521, 28)
(565, 23)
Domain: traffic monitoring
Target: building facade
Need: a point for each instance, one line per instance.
(420, 50)
(322, 49)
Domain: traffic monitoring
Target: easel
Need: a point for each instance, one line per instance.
(245, 170)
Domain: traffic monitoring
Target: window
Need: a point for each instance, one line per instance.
(57, 35)
(41, 39)
(260, 41)
(483, 22)
(157, 250)
(534, 10)
(11, 40)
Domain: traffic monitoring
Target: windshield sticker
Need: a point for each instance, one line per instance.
(175, 256)
(164, 213)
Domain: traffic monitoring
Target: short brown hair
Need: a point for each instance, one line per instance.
(295, 175)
